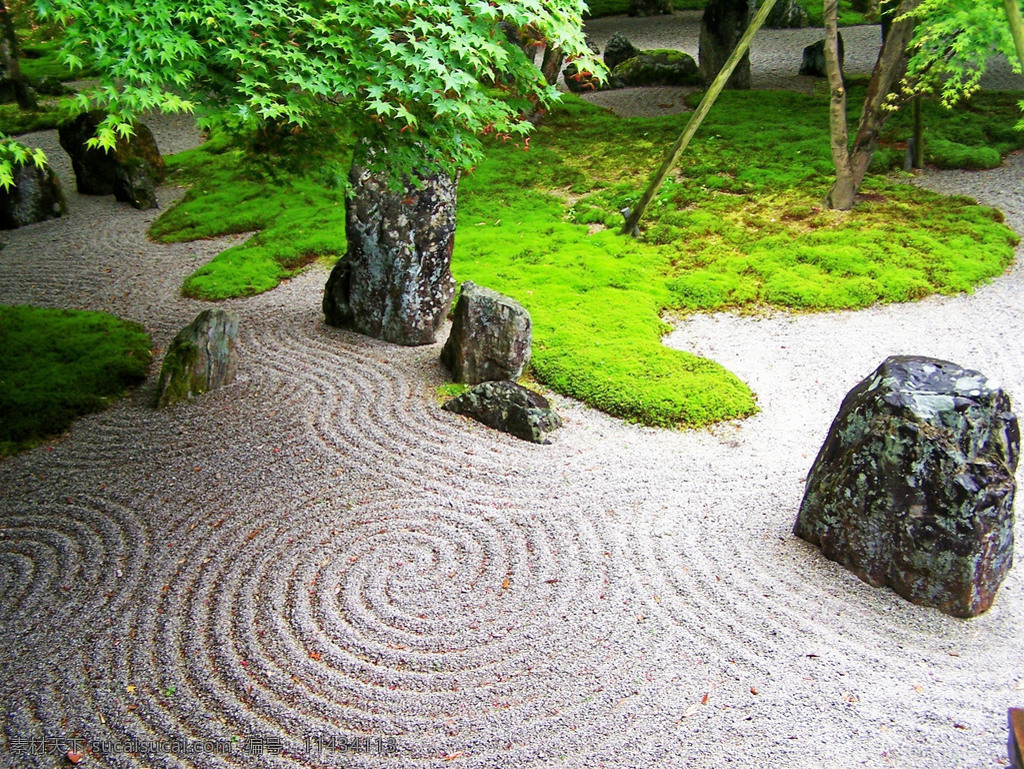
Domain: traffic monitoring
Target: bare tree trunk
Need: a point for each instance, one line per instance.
(12, 82)
(551, 64)
(852, 165)
(842, 193)
(1016, 27)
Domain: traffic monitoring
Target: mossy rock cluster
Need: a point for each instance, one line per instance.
(658, 67)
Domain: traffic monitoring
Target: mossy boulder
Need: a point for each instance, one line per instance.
(508, 407)
(787, 14)
(35, 197)
(914, 485)
(490, 337)
(618, 50)
(649, 7)
(658, 67)
(130, 171)
(202, 357)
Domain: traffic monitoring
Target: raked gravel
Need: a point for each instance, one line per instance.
(318, 552)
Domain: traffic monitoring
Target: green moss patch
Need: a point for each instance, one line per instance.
(298, 218)
(56, 365)
(739, 226)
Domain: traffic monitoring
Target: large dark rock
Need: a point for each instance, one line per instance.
(813, 63)
(787, 14)
(618, 50)
(658, 67)
(510, 408)
(395, 282)
(649, 7)
(490, 337)
(914, 485)
(202, 357)
(721, 27)
(130, 171)
(35, 197)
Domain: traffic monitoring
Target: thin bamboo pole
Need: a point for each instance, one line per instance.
(635, 215)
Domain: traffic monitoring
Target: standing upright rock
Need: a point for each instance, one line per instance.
(721, 27)
(914, 485)
(35, 196)
(618, 50)
(395, 282)
(130, 171)
(202, 357)
(813, 62)
(490, 337)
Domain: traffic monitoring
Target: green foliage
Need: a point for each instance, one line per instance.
(14, 154)
(422, 79)
(56, 365)
(952, 44)
(740, 226)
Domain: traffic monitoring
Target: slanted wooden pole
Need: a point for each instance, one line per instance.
(1016, 27)
(635, 215)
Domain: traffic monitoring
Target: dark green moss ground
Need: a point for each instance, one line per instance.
(56, 365)
(740, 226)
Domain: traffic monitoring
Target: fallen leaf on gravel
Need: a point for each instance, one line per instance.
(130, 688)
(314, 656)
(452, 756)
(959, 726)
(704, 699)
(75, 758)
(504, 584)
(753, 690)
(691, 711)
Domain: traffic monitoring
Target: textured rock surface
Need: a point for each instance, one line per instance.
(510, 408)
(35, 197)
(787, 14)
(650, 7)
(659, 67)
(813, 63)
(130, 171)
(618, 50)
(721, 28)
(394, 282)
(490, 337)
(1015, 744)
(202, 357)
(914, 485)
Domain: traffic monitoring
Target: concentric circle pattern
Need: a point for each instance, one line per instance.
(318, 567)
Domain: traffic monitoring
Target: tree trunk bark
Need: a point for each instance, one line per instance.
(394, 282)
(551, 63)
(12, 82)
(843, 191)
(889, 69)
(852, 165)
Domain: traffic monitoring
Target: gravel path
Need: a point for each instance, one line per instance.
(318, 553)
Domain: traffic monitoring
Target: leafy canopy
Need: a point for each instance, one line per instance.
(422, 79)
(953, 43)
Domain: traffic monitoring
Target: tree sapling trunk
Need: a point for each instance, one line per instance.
(12, 82)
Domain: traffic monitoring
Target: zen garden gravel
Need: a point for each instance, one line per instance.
(317, 566)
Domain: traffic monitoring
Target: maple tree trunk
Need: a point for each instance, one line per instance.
(842, 193)
(12, 82)
(889, 68)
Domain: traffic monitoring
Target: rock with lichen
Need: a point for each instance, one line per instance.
(202, 357)
(914, 485)
(508, 407)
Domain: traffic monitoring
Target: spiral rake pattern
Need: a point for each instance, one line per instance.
(317, 567)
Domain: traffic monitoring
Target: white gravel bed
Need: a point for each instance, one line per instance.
(318, 553)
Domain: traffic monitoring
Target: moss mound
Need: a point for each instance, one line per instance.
(56, 365)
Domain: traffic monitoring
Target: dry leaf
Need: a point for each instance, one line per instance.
(504, 584)
(753, 690)
(704, 699)
(75, 758)
(691, 711)
(314, 656)
(452, 756)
